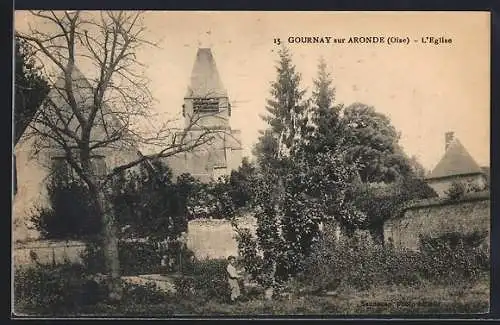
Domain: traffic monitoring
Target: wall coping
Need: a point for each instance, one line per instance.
(470, 197)
(439, 202)
(48, 244)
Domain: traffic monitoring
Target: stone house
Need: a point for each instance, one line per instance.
(439, 215)
(35, 161)
(456, 165)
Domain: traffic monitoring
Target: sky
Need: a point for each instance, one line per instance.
(425, 89)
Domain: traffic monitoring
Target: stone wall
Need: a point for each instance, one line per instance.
(437, 216)
(212, 238)
(47, 252)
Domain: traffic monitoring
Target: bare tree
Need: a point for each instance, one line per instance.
(85, 115)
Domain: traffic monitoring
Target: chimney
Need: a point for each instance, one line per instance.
(448, 138)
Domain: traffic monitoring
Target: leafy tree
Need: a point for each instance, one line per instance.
(31, 87)
(373, 141)
(383, 201)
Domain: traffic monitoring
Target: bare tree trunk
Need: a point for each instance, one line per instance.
(109, 232)
(110, 247)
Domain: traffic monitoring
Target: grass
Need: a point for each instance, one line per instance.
(389, 300)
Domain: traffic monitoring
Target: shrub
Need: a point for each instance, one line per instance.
(135, 294)
(139, 258)
(456, 191)
(147, 203)
(454, 256)
(357, 263)
(247, 249)
(211, 280)
(70, 215)
(206, 281)
(55, 289)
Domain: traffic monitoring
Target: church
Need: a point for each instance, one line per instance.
(207, 108)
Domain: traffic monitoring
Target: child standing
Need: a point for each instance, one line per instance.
(233, 277)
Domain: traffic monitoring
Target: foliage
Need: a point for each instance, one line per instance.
(298, 185)
(383, 201)
(454, 255)
(55, 288)
(241, 182)
(148, 203)
(207, 280)
(214, 199)
(327, 125)
(456, 191)
(373, 141)
(248, 251)
(138, 258)
(71, 289)
(355, 263)
(71, 213)
(287, 113)
(30, 87)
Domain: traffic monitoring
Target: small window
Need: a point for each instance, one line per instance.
(206, 105)
(99, 166)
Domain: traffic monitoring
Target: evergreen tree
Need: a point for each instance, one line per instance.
(325, 114)
(297, 187)
(287, 120)
(287, 111)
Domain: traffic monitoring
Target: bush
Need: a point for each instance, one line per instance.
(147, 203)
(70, 215)
(139, 258)
(456, 191)
(358, 264)
(55, 289)
(207, 280)
(454, 256)
(354, 263)
(247, 249)
(135, 294)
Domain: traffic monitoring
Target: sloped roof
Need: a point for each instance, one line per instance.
(205, 80)
(83, 94)
(456, 161)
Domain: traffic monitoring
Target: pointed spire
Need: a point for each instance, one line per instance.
(205, 80)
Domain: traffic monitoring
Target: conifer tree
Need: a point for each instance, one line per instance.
(298, 188)
(325, 113)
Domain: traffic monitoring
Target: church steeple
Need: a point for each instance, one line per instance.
(205, 80)
(206, 106)
(206, 98)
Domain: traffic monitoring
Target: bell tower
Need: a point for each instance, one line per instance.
(207, 107)
(206, 103)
